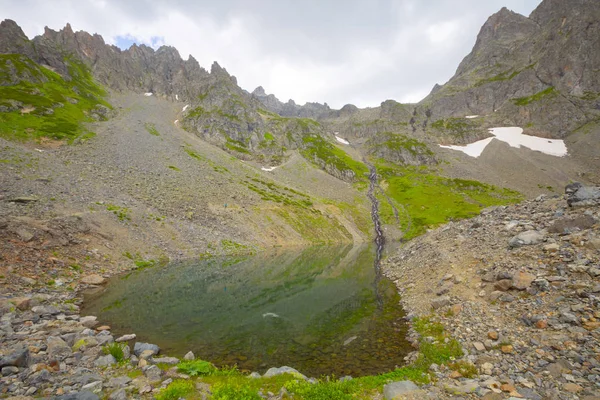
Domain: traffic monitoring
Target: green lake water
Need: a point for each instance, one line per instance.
(320, 310)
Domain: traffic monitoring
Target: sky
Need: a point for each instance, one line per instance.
(328, 51)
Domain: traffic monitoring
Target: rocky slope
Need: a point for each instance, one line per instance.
(519, 287)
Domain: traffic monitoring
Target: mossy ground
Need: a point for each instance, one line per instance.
(317, 150)
(40, 103)
(523, 101)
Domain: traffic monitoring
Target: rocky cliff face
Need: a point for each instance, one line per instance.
(535, 72)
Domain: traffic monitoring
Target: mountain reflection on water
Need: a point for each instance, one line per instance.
(313, 309)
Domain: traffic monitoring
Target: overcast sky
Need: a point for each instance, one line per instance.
(337, 51)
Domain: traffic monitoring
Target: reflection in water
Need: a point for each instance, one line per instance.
(314, 310)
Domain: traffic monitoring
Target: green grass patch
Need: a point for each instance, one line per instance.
(523, 101)
(177, 389)
(455, 126)
(196, 368)
(174, 168)
(325, 155)
(398, 142)
(117, 350)
(236, 145)
(503, 76)
(198, 157)
(122, 213)
(431, 200)
(38, 102)
(151, 128)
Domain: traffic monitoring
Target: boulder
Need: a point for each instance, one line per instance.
(526, 238)
(581, 196)
(139, 348)
(395, 390)
(17, 358)
(105, 361)
(440, 302)
(57, 347)
(93, 279)
(125, 338)
(153, 373)
(522, 280)
(283, 370)
(83, 395)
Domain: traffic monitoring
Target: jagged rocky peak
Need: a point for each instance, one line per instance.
(259, 91)
(13, 39)
(496, 40)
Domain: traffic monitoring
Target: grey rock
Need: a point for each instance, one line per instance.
(189, 356)
(17, 358)
(467, 386)
(153, 373)
(82, 395)
(39, 378)
(105, 361)
(119, 394)
(570, 225)
(10, 370)
(526, 238)
(45, 310)
(440, 302)
(118, 382)
(165, 360)
(95, 387)
(139, 347)
(254, 375)
(284, 370)
(125, 338)
(393, 390)
(89, 321)
(507, 298)
(57, 347)
(584, 196)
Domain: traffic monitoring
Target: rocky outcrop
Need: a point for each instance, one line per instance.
(289, 109)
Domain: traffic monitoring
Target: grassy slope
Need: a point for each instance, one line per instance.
(44, 104)
(431, 200)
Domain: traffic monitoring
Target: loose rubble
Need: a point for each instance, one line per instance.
(519, 287)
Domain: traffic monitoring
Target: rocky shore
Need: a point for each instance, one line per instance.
(519, 287)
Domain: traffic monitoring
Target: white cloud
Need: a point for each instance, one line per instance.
(360, 53)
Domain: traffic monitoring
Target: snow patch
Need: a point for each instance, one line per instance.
(472, 149)
(269, 169)
(515, 138)
(185, 107)
(177, 97)
(176, 121)
(148, 94)
(472, 116)
(341, 140)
